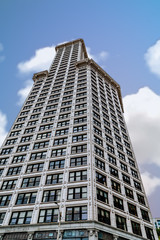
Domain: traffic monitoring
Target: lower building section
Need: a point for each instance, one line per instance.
(72, 231)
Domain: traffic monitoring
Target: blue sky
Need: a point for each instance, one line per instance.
(122, 36)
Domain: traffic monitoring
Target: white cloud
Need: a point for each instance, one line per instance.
(40, 61)
(3, 123)
(150, 182)
(142, 113)
(23, 93)
(152, 57)
(102, 56)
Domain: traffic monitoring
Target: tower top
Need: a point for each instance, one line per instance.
(73, 42)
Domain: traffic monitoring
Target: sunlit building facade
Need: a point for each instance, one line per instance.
(68, 170)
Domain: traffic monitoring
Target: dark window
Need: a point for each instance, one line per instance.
(104, 216)
(137, 185)
(121, 222)
(149, 233)
(145, 215)
(14, 170)
(19, 158)
(31, 182)
(101, 178)
(55, 178)
(118, 203)
(58, 152)
(136, 228)
(38, 156)
(77, 193)
(51, 195)
(126, 179)
(113, 171)
(80, 128)
(60, 141)
(129, 193)
(56, 164)
(99, 164)
(76, 213)
(26, 198)
(132, 209)
(78, 176)
(78, 161)
(43, 135)
(102, 195)
(62, 132)
(41, 145)
(79, 149)
(35, 168)
(23, 148)
(116, 186)
(48, 215)
(141, 199)
(112, 159)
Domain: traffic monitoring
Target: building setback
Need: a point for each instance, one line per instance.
(68, 170)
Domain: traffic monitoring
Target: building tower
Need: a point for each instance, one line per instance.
(67, 166)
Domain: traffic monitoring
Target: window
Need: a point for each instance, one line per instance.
(131, 162)
(55, 178)
(45, 127)
(79, 149)
(35, 168)
(23, 148)
(11, 141)
(136, 228)
(32, 123)
(38, 156)
(10, 184)
(99, 164)
(43, 135)
(66, 109)
(126, 178)
(112, 159)
(113, 171)
(97, 131)
(141, 199)
(31, 182)
(2, 215)
(62, 124)
(76, 213)
(145, 215)
(124, 167)
(109, 139)
(3, 161)
(129, 193)
(50, 113)
(101, 178)
(16, 133)
(51, 195)
(82, 112)
(98, 151)
(119, 146)
(102, 196)
(80, 120)
(96, 122)
(78, 161)
(6, 151)
(56, 164)
(132, 209)
(116, 186)
(18, 158)
(21, 218)
(5, 200)
(79, 138)
(121, 156)
(14, 170)
(26, 139)
(104, 216)
(80, 128)
(18, 125)
(77, 193)
(108, 131)
(35, 116)
(41, 145)
(98, 141)
(29, 130)
(78, 176)
(134, 173)
(149, 233)
(58, 152)
(63, 116)
(26, 198)
(62, 132)
(117, 137)
(110, 149)
(50, 119)
(118, 203)
(121, 222)
(137, 185)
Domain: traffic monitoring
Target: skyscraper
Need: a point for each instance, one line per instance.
(68, 170)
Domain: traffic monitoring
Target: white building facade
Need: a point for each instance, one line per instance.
(68, 170)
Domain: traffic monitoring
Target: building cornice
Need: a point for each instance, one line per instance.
(104, 74)
(38, 75)
(73, 42)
